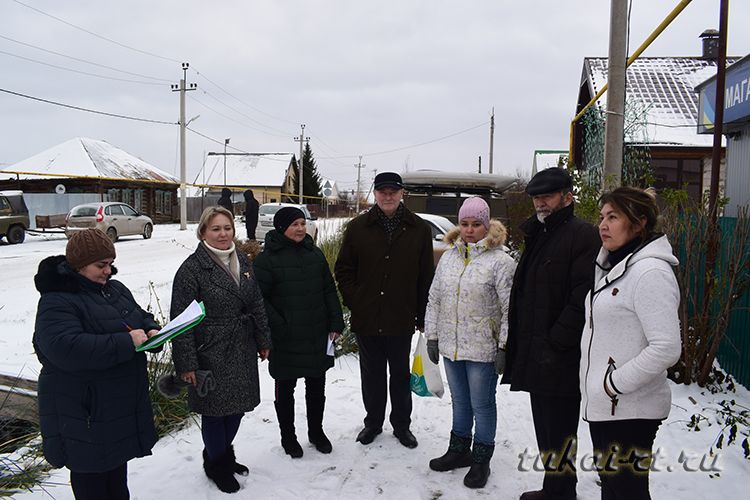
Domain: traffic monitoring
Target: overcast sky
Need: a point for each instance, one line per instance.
(365, 77)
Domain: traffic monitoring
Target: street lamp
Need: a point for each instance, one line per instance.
(226, 143)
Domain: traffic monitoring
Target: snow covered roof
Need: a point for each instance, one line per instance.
(84, 157)
(246, 169)
(664, 87)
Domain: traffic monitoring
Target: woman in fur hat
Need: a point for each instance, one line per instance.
(94, 409)
(466, 323)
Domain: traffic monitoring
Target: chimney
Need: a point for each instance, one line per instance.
(710, 39)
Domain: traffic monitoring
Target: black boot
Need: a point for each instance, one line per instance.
(457, 456)
(315, 406)
(220, 472)
(285, 414)
(480, 465)
(237, 467)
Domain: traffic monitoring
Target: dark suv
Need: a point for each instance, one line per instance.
(14, 216)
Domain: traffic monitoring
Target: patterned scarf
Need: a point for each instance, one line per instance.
(390, 224)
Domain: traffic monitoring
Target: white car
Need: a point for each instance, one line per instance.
(268, 210)
(439, 226)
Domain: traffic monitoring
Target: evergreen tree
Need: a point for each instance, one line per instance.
(311, 180)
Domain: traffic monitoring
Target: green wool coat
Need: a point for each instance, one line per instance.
(301, 303)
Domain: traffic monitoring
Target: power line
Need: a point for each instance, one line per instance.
(83, 60)
(78, 108)
(281, 132)
(428, 142)
(217, 141)
(240, 100)
(238, 150)
(95, 34)
(77, 71)
(232, 119)
(408, 147)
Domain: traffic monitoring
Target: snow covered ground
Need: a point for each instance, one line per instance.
(383, 469)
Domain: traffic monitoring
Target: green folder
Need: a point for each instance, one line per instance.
(189, 318)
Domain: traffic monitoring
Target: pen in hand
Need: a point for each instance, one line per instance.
(137, 336)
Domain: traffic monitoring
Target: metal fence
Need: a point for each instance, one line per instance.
(734, 353)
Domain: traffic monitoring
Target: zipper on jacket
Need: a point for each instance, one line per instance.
(610, 368)
(458, 297)
(588, 352)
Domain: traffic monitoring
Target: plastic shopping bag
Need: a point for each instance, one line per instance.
(425, 375)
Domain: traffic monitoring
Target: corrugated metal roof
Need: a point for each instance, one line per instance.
(84, 157)
(664, 87)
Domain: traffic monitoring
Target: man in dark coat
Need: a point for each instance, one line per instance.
(226, 200)
(251, 213)
(384, 271)
(545, 322)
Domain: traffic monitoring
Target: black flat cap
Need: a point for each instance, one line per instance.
(388, 180)
(550, 180)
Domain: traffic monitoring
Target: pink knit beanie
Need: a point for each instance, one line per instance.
(475, 208)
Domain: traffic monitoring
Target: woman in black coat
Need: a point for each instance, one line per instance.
(94, 409)
(226, 344)
(305, 315)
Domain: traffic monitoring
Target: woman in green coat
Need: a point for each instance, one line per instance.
(304, 314)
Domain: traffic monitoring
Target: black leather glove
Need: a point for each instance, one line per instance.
(432, 350)
(500, 361)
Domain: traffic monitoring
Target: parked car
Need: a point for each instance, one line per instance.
(114, 218)
(439, 226)
(268, 210)
(14, 216)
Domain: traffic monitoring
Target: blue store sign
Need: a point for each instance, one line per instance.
(736, 98)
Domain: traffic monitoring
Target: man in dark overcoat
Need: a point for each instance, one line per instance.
(545, 322)
(225, 200)
(251, 213)
(384, 270)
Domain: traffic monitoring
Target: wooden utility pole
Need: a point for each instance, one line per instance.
(300, 167)
(183, 125)
(713, 235)
(492, 136)
(614, 130)
(721, 75)
(359, 166)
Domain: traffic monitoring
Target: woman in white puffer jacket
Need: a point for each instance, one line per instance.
(631, 337)
(466, 322)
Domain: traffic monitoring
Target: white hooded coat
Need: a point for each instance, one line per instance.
(631, 336)
(467, 310)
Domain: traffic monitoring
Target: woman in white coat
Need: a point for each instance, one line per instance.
(631, 337)
(466, 322)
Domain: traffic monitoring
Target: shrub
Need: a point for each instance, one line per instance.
(169, 414)
(330, 247)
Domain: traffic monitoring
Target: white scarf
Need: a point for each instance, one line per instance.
(228, 258)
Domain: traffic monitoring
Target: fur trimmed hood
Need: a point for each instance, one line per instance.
(55, 275)
(496, 236)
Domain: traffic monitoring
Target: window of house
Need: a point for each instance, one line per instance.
(679, 173)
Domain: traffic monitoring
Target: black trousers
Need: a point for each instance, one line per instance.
(556, 428)
(375, 353)
(623, 449)
(314, 400)
(110, 485)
